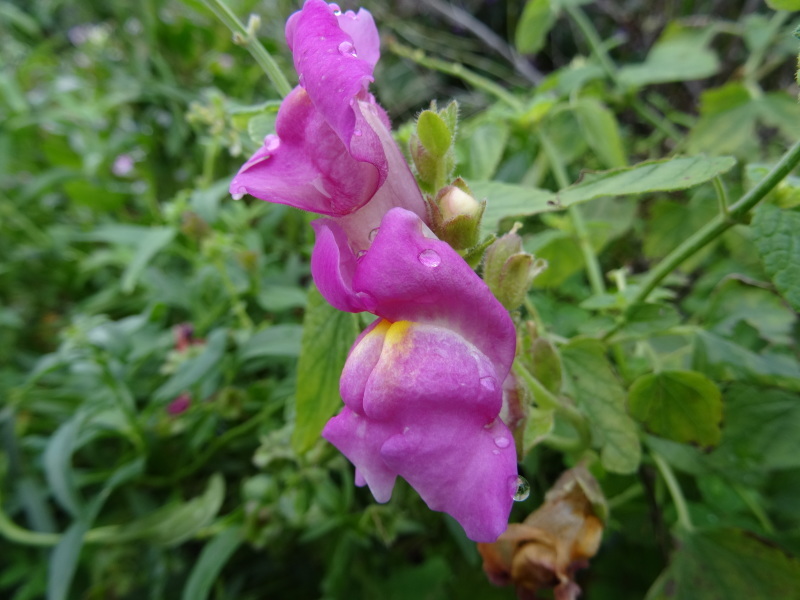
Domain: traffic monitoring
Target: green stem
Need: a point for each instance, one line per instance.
(718, 225)
(722, 195)
(592, 37)
(684, 519)
(245, 36)
(548, 401)
(457, 70)
(757, 510)
(581, 231)
(751, 66)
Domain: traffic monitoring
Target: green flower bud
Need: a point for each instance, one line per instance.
(508, 271)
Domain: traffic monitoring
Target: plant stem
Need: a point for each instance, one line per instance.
(719, 224)
(596, 44)
(722, 195)
(684, 519)
(547, 400)
(581, 232)
(245, 36)
(457, 70)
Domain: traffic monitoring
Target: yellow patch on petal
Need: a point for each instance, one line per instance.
(398, 333)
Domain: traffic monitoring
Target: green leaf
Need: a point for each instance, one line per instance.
(777, 237)
(538, 425)
(147, 246)
(276, 340)
(171, 524)
(723, 360)
(260, 126)
(276, 298)
(64, 560)
(537, 19)
(784, 4)
(680, 54)
(434, 134)
(327, 337)
(546, 365)
(485, 147)
(58, 464)
(195, 369)
(727, 121)
(602, 131)
(215, 554)
(646, 319)
(727, 564)
(684, 406)
(509, 200)
(600, 395)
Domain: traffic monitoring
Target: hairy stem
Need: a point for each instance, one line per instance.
(245, 36)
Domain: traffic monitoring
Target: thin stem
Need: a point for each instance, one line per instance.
(716, 227)
(596, 44)
(757, 510)
(722, 194)
(457, 70)
(581, 231)
(624, 497)
(684, 519)
(245, 36)
(548, 401)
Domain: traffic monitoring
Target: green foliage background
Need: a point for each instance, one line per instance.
(121, 124)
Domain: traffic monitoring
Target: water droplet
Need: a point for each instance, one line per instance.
(361, 254)
(357, 132)
(430, 258)
(272, 142)
(337, 12)
(237, 196)
(373, 233)
(519, 487)
(489, 383)
(495, 451)
(368, 301)
(347, 49)
(502, 442)
(240, 192)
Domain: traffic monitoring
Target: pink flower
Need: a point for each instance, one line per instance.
(423, 384)
(333, 153)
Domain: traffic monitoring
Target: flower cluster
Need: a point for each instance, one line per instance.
(422, 385)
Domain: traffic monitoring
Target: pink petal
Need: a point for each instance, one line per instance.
(360, 440)
(459, 467)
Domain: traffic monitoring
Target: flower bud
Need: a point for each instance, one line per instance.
(509, 271)
(456, 215)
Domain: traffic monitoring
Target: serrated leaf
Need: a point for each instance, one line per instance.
(600, 395)
(537, 19)
(327, 337)
(212, 559)
(777, 237)
(727, 564)
(509, 200)
(433, 133)
(724, 360)
(684, 406)
(485, 147)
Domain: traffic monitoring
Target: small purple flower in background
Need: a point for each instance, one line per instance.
(333, 152)
(179, 404)
(423, 384)
(123, 165)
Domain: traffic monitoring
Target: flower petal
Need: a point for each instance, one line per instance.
(364, 355)
(306, 165)
(459, 468)
(412, 277)
(360, 440)
(425, 368)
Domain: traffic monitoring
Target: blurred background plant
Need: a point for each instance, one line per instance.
(161, 398)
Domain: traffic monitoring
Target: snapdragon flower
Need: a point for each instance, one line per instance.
(422, 385)
(333, 152)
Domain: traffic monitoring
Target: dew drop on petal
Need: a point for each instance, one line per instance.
(347, 49)
(271, 143)
(489, 383)
(368, 301)
(361, 254)
(240, 192)
(357, 132)
(373, 233)
(430, 258)
(337, 12)
(519, 488)
(501, 442)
